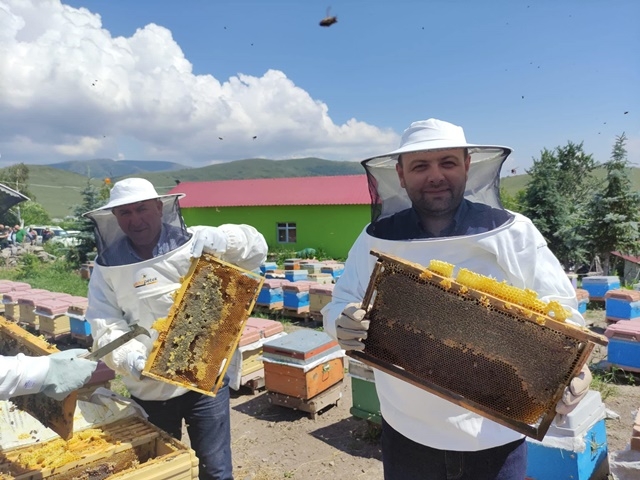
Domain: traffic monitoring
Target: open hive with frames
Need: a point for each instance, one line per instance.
(57, 415)
(492, 348)
(198, 337)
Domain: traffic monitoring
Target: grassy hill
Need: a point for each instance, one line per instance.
(107, 168)
(58, 191)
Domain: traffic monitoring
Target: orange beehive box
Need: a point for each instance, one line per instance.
(293, 380)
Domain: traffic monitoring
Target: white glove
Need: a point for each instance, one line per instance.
(575, 392)
(67, 373)
(136, 361)
(351, 328)
(210, 240)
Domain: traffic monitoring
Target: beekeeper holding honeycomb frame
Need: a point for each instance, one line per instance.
(144, 249)
(437, 197)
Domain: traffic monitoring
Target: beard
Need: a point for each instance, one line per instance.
(436, 205)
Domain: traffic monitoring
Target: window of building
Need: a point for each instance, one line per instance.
(286, 233)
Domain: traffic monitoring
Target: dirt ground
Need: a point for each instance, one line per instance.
(275, 442)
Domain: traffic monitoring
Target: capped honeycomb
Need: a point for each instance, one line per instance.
(198, 337)
(487, 346)
(130, 448)
(57, 415)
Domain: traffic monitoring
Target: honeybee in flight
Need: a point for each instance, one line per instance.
(328, 20)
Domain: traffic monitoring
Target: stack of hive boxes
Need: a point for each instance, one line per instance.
(312, 267)
(246, 366)
(268, 267)
(333, 268)
(583, 299)
(303, 370)
(622, 309)
(271, 295)
(293, 271)
(296, 297)
(9, 291)
(598, 286)
(322, 278)
(78, 325)
(575, 446)
(319, 296)
(27, 304)
(53, 318)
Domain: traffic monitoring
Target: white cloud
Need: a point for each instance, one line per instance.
(69, 89)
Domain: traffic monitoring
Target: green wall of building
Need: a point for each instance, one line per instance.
(332, 228)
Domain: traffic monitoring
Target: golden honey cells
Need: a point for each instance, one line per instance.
(525, 298)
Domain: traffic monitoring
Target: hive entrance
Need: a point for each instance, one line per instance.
(197, 339)
(502, 361)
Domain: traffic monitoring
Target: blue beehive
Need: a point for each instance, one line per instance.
(296, 295)
(575, 448)
(266, 266)
(583, 299)
(624, 343)
(335, 269)
(296, 275)
(621, 304)
(271, 293)
(598, 286)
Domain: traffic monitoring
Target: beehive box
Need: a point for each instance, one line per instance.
(501, 354)
(54, 414)
(127, 449)
(199, 336)
(52, 317)
(622, 304)
(624, 344)
(319, 296)
(302, 364)
(598, 285)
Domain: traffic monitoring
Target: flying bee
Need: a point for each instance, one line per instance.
(328, 20)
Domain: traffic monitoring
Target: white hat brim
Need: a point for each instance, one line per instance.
(118, 203)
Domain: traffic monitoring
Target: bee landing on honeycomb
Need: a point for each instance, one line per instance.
(492, 348)
(197, 339)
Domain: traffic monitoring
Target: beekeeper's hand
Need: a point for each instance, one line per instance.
(67, 373)
(351, 328)
(136, 359)
(209, 240)
(575, 392)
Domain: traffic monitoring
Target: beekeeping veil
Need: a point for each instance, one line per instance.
(132, 190)
(483, 183)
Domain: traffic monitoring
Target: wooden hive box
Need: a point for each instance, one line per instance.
(199, 336)
(484, 345)
(127, 449)
(54, 414)
(302, 364)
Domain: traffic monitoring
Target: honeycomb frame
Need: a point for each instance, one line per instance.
(54, 414)
(203, 327)
(498, 359)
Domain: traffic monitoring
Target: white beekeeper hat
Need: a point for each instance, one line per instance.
(131, 190)
(483, 184)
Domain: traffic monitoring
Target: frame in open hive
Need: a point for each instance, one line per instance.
(198, 337)
(506, 359)
(127, 449)
(57, 415)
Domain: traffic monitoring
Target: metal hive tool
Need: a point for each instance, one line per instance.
(498, 359)
(57, 415)
(197, 339)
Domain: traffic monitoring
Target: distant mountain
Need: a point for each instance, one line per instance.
(107, 168)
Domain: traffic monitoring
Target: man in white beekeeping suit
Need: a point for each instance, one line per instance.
(144, 249)
(437, 197)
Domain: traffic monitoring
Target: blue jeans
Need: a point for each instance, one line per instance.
(404, 459)
(208, 423)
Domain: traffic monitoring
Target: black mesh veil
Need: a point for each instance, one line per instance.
(108, 232)
(388, 196)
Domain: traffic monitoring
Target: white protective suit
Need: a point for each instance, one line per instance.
(21, 375)
(515, 252)
(142, 292)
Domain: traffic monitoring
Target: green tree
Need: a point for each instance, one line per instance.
(515, 203)
(17, 177)
(555, 199)
(91, 200)
(615, 210)
(34, 214)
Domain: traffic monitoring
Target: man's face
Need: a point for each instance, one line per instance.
(141, 221)
(434, 180)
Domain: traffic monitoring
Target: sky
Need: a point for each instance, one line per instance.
(203, 82)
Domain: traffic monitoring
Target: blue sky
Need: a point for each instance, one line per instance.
(164, 80)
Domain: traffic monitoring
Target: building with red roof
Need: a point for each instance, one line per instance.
(325, 213)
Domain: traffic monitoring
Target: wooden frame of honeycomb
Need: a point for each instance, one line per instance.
(127, 449)
(489, 347)
(57, 415)
(198, 337)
